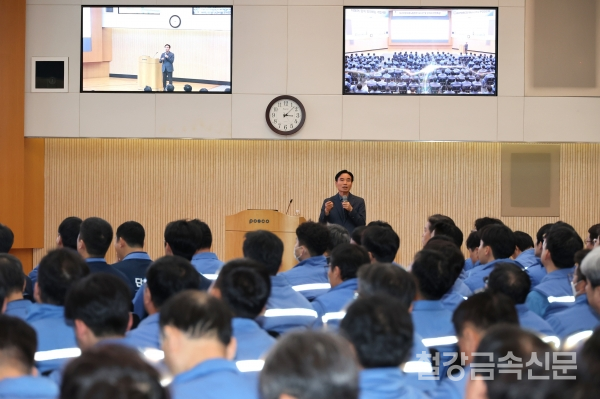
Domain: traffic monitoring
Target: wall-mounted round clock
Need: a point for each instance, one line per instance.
(285, 115)
(175, 21)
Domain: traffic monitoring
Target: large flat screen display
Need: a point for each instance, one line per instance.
(156, 49)
(420, 51)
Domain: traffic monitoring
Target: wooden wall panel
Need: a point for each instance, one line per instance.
(156, 181)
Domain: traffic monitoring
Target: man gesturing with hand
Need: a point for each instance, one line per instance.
(344, 208)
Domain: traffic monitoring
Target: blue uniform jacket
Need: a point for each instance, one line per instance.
(451, 300)
(134, 266)
(338, 215)
(53, 332)
(252, 341)
(147, 333)
(309, 277)
(555, 285)
(387, 383)
(475, 278)
(531, 321)
(207, 264)
(532, 266)
(19, 308)
(99, 265)
(335, 300)
(28, 387)
(577, 318)
(417, 356)
(214, 379)
(449, 389)
(286, 308)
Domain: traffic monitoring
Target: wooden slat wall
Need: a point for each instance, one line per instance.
(156, 181)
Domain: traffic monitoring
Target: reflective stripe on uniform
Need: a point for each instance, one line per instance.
(246, 366)
(417, 367)
(291, 312)
(448, 340)
(333, 316)
(572, 340)
(56, 354)
(561, 299)
(314, 286)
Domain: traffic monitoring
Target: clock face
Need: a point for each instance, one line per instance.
(285, 115)
(175, 21)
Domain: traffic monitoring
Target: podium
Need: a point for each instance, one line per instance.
(283, 226)
(149, 73)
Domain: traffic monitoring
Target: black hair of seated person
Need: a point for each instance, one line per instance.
(11, 274)
(380, 223)
(541, 233)
(187, 88)
(382, 242)
(473, 241)
(387, 279)
(523, 241)
(68, 230)
(111, 371)
(206, 238)
(227, 90)
(380, 330)
(453, 255)
(486, 221)
(183, 237)
(245, 286)
(510, 280)
(357, 234)
(438, 218)
(450, 230)
(337, 235)
(198, 315)
(7, 238)
(57, 272)
(578, 258)
(203, 90)
(432, 273)
(264, 247)
(97, 235)
(132, 233)
(169, 275)
(589, 360)
(314, 236)
(147, 88)
(594, 231)
(484, 310)
(102, 302)
(341, 172)
(170, 87)
(563, 242)
(500, 239)
(18, 343)
(349, 258)
(310, 365)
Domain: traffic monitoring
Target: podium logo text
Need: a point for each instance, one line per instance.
(258, 221)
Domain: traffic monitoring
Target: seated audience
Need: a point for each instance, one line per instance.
(449, 230)
(592, 235)
(95, 238)
(18, 379)
(539, 239)
(431, 221)
(310, 365)
(165, 277)
(7, 239)
(486, 221)
(198, 345)
(337, 235)
(525, 256)
(110, 372)
(309, 276)
(57, 272)
(382, 243)
(345, 261)
(133, 261)
(357, 233)
(381, 331)
(497, 244)
(560, 245)
(244, 286)
(204, 260)
(472, 245)
(588, 366)
(11, 274)
(512, 281)
(286, 309)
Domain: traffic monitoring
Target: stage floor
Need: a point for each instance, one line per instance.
(124, 84)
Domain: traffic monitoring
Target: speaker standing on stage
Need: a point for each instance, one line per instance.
(167, 59)
(344, 208)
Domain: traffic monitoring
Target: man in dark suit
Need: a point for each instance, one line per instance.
(167, 59)
(344, 208)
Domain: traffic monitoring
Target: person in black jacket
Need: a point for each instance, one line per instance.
(344, 208)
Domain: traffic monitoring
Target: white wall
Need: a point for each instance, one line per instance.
(295, 47)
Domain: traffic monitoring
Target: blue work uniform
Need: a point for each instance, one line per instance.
(449, 389)
(99, 265)
(577, 318)
(252, 341)
(147, 333)
(550, 294)
(387, 383)
(531, 321)
(334, 300)
(28, 387)
(53, 333)
(19, 308)
(468, 265)
(134, 266)
(532, 266)
(309, 277)
(475, 278)
(214, 379)
(451, 300)
(207, 264)
(286, 308)
(413, 378)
